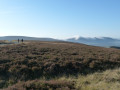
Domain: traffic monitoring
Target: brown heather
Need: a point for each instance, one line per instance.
(22, 65)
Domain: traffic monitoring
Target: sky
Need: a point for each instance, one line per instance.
(60, 19)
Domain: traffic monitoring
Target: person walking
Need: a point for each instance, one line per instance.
(18, 40)
(22, 40)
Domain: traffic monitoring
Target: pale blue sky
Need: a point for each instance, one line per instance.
(60, 18)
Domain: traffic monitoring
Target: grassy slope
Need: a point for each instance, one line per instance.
(34, 60)
(107, 80)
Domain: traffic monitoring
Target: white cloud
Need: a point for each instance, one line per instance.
(76, 37)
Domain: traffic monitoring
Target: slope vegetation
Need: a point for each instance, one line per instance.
(34, 60)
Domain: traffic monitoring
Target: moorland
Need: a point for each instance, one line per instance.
(42, 65)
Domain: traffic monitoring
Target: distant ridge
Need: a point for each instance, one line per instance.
(96, 41)
(26, 38)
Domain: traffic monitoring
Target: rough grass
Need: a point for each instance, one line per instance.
(107, 80)
(43, 85)
(4, 42)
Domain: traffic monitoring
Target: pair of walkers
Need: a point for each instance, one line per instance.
(21, 40)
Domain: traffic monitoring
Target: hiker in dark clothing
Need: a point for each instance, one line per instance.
(18, 40)
(22, 40)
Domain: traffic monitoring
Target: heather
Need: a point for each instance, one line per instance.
(30, 61)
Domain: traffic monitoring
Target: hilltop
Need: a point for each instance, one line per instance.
(32, 60)
(96, 41)
(10, 38)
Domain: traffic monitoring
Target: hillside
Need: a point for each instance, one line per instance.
(10, 38)
(34, 60)
(96, 41)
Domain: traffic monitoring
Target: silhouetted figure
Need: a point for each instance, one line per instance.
(22, 40)
(18, 40)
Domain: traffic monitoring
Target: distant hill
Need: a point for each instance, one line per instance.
(115, 47)
(103, 41)
(26, 38)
